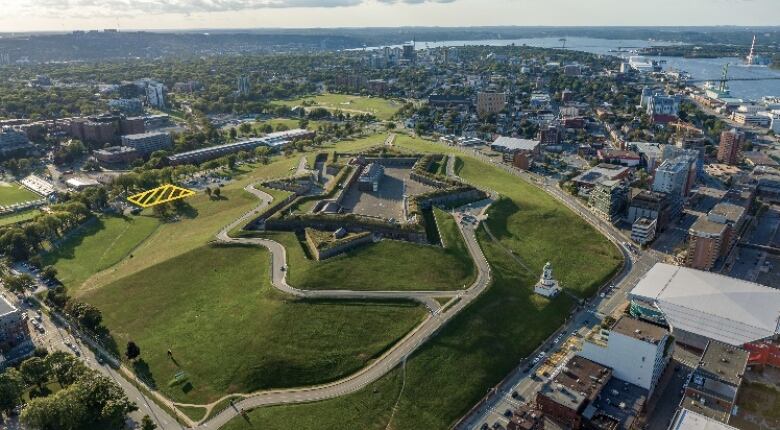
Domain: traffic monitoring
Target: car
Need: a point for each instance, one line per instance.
(485, 426)
(535, 360)
(515, 394)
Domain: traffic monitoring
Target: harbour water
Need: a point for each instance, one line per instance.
(699, 69)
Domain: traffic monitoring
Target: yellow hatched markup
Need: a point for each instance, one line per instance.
(160, 195)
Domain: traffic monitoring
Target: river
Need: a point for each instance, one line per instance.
(709, 68)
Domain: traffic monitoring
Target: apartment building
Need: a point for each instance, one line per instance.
(489, 102)
(731, 142)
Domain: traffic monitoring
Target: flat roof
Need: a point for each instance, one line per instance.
(145, 135)
(718, 307)
(512, 143)
(730, 211)
(727, 362)
(706, 226)
(687, 419)
(708, 410)
(579, 380)
(639, 329)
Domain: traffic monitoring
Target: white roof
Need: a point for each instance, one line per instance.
(512, 143)
(82, 182)
(689, 420)
(718, 307)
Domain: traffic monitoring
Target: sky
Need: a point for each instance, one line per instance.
(65, 15)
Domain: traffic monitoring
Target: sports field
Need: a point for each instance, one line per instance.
(12, 193)
(381, 108)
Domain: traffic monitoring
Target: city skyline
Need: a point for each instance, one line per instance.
(66, 15)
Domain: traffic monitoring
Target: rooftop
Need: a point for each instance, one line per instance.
(514, 144)
(579, 381)
(705, 226)
(144, 135)
(708, 410)
(729, 211)
(603, 171)
(725, 361)
(687, 419)
(718, 307)
(639, 329)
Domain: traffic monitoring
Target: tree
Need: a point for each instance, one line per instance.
(49, 272)
(245, 128)
(11, 388)
(18, 284)
(233, 133)
(217, 192)
(64, 367)
(146, 422)
(34, 371)
(86, 314)
(93, 401)
(133, 351)
(208, 191)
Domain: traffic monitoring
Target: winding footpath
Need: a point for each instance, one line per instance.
(386, 362)
(439, 316)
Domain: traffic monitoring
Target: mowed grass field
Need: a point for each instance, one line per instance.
(230, 331)
(381, 108)
(450, 373)
(160, 285)
(98, 246)
(388, 265)
(11, 193)
(16, 217)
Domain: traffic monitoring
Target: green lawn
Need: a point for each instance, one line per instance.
(383, 109)
(230, 331)
(359, 144)
(368, 409)
(384, 266)
(98, 246)
(15, 193)
(450, 373)
(17, 217)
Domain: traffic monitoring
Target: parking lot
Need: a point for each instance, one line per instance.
(388, 201)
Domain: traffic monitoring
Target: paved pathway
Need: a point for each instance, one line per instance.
(381, 366)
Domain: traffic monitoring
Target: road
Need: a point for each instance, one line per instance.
(521, 385)
(390, 359)
(57, 337)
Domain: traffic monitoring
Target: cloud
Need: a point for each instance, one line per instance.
(104, 8)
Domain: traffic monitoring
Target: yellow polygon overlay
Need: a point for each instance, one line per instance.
(160, 195)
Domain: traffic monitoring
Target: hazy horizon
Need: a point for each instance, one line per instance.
(27, 16)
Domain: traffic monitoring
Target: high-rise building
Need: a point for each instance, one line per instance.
(243, 85)
(705, 243)
(712, 237)
(672, 177)
(155, 95)
(730, 145)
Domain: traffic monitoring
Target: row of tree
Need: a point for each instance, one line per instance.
(86, 398)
